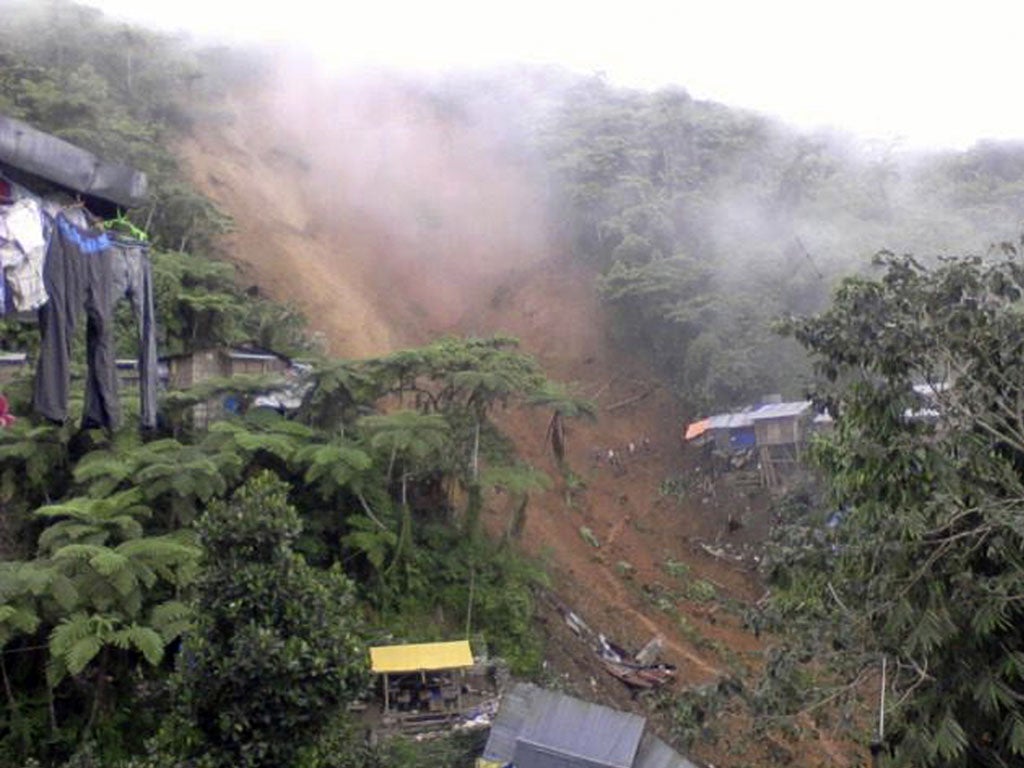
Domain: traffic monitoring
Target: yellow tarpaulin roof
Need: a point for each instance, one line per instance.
(421, 656)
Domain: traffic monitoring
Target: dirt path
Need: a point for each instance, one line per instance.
(390, 220)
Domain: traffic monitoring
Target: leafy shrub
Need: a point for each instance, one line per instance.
(276, 650)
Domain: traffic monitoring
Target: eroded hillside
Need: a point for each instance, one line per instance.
(391, 219)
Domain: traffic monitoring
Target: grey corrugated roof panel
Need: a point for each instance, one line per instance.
(509, 723)
(729, 421)
(253, 355)
(781, 410)
(583, 734)
(55, 160)
(536, 728)
(655, 753)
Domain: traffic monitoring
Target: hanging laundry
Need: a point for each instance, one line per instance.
(124, 225)
(132, 277)
(6, 417)
(22, 253)
(77, 274)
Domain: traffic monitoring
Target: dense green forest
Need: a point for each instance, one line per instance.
(361, 512)
(136, 568)
(707, 224)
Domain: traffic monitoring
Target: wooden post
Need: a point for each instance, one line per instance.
(458, 695)
(386, 687)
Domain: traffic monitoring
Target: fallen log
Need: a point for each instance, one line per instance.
(630, 400)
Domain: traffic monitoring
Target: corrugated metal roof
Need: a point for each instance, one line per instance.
(252, 355)
(415, 657)
(655, 753)
(781, 410)
(512, 716)
(730, 421)
(578, 732)
(536, 728)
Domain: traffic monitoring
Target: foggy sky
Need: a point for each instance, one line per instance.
(922, 73)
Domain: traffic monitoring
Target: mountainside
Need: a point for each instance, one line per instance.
(390, 221)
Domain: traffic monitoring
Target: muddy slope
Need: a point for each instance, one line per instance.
(391, 219)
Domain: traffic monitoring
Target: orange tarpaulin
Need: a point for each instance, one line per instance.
(697, 429)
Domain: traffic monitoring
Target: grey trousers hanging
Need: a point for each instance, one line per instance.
(132, 277)
(77, 273)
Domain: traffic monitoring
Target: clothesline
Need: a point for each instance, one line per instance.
(57, 260)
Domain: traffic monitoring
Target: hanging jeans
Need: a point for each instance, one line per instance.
(77, 273)
(132, 278)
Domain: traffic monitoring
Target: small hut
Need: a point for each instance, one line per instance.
(12, 364)
(188, 369)
(726, 432)
(191, 368)
(781, 432)
(420, 677)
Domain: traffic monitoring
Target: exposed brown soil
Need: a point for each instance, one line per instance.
(392, 222)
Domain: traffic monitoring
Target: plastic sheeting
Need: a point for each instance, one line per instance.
(696, 429)
(416, 657)
(55, 160)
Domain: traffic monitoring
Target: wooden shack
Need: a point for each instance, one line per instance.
(189, 369)
(12, 364)
(422, 679)
(780, 430)
(725, 432)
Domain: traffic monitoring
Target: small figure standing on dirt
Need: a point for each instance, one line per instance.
(615, 463)
(645, 444)
(632, 448)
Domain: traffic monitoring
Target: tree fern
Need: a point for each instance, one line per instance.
(371, 540)
(171, 619)
(332, 466)
(145, 640)
(17, 619)
(76, 641)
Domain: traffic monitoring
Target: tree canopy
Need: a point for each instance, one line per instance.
(922, 368)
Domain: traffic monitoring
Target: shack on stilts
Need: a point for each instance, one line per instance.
(422, 677)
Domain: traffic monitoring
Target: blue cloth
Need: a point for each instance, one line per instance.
(87, 242)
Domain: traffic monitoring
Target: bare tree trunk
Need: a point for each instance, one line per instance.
(53, 710)
(469, 606)
(476, 451)
(101, 688)
(391, 468)
(7, 685)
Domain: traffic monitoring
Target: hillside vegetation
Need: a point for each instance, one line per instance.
(205, 598)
